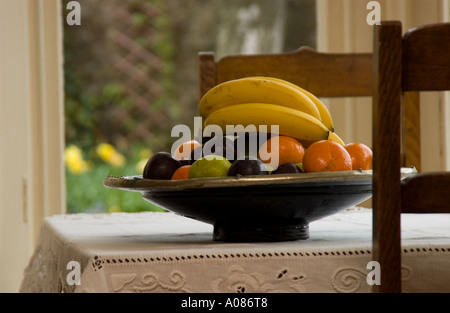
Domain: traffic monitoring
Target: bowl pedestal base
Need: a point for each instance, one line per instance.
(260, 233)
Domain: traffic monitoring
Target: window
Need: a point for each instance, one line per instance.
(131, 75)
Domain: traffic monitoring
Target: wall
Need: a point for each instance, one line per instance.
(14, 231)
(32, 184)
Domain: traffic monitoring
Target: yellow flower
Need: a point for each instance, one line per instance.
(105, 151)
(73, 158)
(110, 155)
(117, 159)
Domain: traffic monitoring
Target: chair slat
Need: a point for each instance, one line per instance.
(323, 74)
(418, 197)
(426, 58)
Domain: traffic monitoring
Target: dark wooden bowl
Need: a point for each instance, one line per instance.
(255, 208)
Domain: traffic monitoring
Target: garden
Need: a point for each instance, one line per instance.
(131, 75)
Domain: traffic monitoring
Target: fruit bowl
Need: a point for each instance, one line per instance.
(256, 208)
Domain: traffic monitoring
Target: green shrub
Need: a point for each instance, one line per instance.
(85, 173)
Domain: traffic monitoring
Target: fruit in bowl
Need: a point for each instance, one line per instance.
(326, 156)
(183, 151)
(301, 139)
(248, 166)
(210, 166)
(287, 168)
(181, 173)
(161, 165)
(262, 127)
(361, 155)
(285, 149)
(221, 146)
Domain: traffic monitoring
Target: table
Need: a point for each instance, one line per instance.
(163, 252)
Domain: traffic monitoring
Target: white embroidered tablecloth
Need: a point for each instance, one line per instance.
(163, 252)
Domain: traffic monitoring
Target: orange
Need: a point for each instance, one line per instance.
(289, 150)
(183, 151)
(181, 173)
(361, 155)
(326, 156)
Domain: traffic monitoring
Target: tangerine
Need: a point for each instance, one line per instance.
(361, 155)
(289, 150)
(326, 156)
(183, 151)
(181, 173)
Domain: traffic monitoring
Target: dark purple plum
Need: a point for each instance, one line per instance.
(161, 165)
(287, 168)
(248, 166)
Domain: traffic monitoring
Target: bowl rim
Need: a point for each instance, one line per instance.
(138, 183)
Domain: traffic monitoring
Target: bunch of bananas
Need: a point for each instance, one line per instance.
(268, 101)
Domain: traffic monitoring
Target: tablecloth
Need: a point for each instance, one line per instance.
(163, 252)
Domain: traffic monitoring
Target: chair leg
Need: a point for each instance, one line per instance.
(387, 154)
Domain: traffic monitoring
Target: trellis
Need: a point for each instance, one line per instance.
(139, 68)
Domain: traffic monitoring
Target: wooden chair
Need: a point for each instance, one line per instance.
(417, 61)
(324, 74)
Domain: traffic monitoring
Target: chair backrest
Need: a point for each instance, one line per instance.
(325, 75)
(416, 61)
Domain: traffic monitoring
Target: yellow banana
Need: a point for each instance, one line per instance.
(291, 122)
(325, 115)
(334, 137)
(256, 90)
